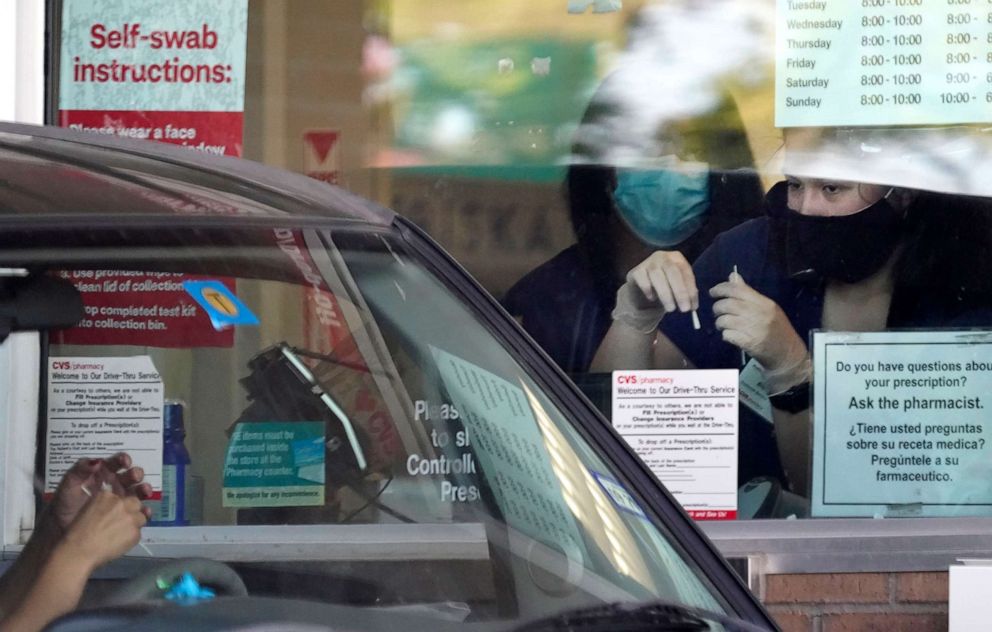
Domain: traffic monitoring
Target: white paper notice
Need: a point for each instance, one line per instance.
(683, 424)
(100, 406)
(511, 452)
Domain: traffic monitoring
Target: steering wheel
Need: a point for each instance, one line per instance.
(216, 575)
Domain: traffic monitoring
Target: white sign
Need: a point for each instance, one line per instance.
(899, 424)
(754, 395)
(684, 425)
(882, 62)
(100, 406)
(511, 452)
(177, 56)
(174, 74)
(968, 606)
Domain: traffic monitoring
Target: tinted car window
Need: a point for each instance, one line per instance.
(367, 393)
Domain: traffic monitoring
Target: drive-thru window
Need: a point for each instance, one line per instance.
(756, 235)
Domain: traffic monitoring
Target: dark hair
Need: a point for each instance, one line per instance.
(589, 190)
(947, 261)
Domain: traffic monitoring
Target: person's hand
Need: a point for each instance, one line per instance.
(755, 323)
(660, 284)
(108, 526)
(88, 476)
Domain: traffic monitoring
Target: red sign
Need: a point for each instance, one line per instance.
(216, 133)
(144, 309)
(712, 514)
(320, 154)
(174, 76)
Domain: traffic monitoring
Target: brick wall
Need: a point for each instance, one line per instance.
(858, 602)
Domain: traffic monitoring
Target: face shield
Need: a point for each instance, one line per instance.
(939, 159)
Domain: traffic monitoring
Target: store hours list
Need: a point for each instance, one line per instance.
(883, 62)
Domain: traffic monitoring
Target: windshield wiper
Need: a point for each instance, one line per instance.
(628, 617)
(634, 617)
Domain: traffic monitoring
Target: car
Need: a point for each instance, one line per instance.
(347, 431)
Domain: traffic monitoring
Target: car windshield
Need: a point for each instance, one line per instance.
(323, 411)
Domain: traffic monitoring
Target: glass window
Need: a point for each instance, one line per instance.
(787, 190)
(365, 393)
(790, 191)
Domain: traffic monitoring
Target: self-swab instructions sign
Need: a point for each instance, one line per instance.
(900, 424)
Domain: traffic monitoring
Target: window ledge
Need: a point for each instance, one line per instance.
(852, 545)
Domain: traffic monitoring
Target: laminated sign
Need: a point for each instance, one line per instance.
(900, 424)
(279, 464)
(175, 74)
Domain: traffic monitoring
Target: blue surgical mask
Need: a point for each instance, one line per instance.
(662, 207)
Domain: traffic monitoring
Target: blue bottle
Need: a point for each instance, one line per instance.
(171, 511)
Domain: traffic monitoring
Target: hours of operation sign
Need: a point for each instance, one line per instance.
(883, 62)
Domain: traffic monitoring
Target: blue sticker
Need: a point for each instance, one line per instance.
(188, 591)
(224, 308)
(619, 495)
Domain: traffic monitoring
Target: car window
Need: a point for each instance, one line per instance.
(304, 379)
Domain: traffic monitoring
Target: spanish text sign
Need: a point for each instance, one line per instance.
(683, 424)
(899, 424)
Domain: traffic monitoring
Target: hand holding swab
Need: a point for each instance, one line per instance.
(107, 487)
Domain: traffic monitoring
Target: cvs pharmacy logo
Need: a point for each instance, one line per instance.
(626, 379)
(63, 364)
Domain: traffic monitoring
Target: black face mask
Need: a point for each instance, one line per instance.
(847, 248)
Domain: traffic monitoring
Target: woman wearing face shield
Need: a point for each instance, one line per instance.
(828, 254)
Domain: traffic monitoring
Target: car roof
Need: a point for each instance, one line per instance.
(50, 172)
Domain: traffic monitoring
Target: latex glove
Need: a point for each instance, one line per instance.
(92, 474)
(755, 323)
(658, 285)
(108, 526)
